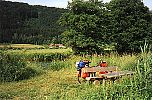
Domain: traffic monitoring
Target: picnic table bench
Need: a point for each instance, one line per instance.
(112, 74)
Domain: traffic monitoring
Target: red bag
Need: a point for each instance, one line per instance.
(84, 75)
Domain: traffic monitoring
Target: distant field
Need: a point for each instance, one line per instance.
(32, 52)
(21, 46)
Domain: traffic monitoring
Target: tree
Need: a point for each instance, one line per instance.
(131, 22)
(83, 24)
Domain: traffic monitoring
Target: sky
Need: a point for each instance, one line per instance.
(63, 3)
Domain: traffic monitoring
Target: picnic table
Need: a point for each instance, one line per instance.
(112, 74)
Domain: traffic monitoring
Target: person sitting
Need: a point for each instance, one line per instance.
(81, 65)
(103, 64)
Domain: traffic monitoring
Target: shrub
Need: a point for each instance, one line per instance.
(13, 68)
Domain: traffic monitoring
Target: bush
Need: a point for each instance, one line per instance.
(13, 68)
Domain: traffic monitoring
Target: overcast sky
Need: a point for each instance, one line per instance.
(63, 3)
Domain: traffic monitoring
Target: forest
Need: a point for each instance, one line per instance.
(23, 23)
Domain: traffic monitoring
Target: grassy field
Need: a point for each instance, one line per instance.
(58, 80)
(60, 84)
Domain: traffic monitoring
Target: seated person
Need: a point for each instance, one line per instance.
(103, 64)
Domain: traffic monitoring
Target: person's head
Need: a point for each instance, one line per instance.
(103, 64)
(103, 61)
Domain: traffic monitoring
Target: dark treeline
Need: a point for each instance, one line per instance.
(23, 23)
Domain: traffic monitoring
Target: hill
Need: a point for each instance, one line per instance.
(23, 23)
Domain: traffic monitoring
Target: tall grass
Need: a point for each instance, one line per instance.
(139, 86)
(144, 73)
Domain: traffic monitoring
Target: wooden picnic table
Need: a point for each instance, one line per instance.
(112, 74)
(115, 75)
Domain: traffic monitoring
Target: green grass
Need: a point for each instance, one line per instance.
(57, 84)
(58, 81)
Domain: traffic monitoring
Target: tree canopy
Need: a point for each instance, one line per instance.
(92, 24)
(131, 24)
(83, 24)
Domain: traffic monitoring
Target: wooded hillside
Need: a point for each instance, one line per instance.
(23, 23)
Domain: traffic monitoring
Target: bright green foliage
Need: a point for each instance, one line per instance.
(83, 22)
(130, 24)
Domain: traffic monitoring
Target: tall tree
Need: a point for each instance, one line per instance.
(131, 23)
(84, 25)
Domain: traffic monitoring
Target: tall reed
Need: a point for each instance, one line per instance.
(143, 79)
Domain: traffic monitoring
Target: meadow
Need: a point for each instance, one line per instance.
(20, 46)
(57, 80)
